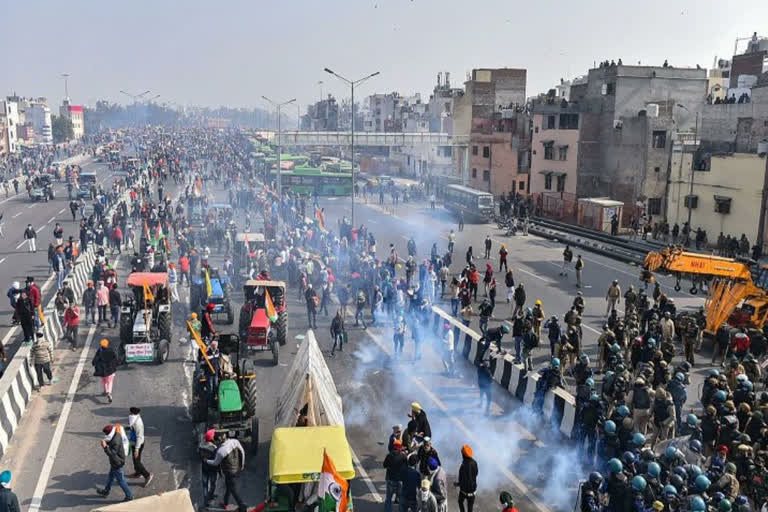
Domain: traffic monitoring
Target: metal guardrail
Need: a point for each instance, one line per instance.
(577, 236)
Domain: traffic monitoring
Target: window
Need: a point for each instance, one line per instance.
(610, 89)
(548, 181)
(486, 175)
(657, 169)
(691, 201)
(486, 151)
(569, 121)
(659, 139)
(550, 123)
(549, 151)
(474, 173)
(447, 150)
(562, 153)
(722, 204)
(561, 183)
(522, 186)
(654, 206)
(474, 150)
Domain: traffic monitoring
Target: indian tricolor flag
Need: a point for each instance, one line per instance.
(332, 489)
(271, 312)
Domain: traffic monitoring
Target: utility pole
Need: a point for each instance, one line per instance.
(278, 106)
(352, 84)
(66, 76)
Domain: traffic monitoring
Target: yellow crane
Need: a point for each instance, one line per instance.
(737, 288)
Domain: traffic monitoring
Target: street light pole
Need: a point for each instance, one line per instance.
(352, 84)
(66, 76)
(136, 98)
(278, 106)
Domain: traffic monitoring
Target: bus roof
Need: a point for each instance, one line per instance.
(468, 190)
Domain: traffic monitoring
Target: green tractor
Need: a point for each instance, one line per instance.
(230, 408)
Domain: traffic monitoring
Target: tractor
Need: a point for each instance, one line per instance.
(230, 409)
(212, 288)
(263, 322)
(246, 251)
(145, 319)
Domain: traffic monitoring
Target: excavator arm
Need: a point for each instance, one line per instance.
(676, 260)
(730, 282)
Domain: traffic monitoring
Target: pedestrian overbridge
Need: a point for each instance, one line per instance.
(380, 139)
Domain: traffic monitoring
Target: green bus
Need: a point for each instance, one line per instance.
(310, 180)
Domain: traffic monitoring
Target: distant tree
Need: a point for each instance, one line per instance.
(62, 129)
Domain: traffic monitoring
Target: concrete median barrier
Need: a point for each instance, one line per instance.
(559, 406)
(17, 382)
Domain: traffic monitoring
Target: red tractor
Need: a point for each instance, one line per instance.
(263, 320)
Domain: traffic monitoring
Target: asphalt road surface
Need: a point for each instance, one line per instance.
(15, 259)
(57, 462)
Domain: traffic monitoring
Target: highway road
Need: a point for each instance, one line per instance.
(57, 462)
(17, 263)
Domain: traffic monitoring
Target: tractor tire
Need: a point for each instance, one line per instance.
(250, 397)
(126, 328)
(275, 353)
(282, 328)
(164, 327)
(254, 436)
(163, 351)
(199, 406)
(230, 315)
(194, 298)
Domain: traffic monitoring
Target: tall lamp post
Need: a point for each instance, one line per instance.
(136, 98)
(352, 84)
(66, 76)
(278, 106)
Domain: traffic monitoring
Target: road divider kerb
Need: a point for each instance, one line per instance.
(19, 379)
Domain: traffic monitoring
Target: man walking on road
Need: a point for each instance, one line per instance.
(230, 459)
(488, 244)
(115, 445)
(42, 356)
(612, 297)
(579, 266)
(30, 235)
(71, 323)
(136, 424)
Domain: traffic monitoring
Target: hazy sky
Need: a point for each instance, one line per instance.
(230, 52)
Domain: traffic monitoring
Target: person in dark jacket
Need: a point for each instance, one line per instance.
(484, 381)
(115, 445)
(25, 312)
(467, 483)
(423, 428)
(209, 474)
(394, 463)
(230, 459)
(115, 303)
(411, 480)
(9, 502)
(105, 365)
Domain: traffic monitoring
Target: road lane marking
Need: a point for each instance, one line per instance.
(31, 206)
(22, 243)
(9, 334)
(62, 211)
(521, 487)
(50, 458)
(2, 260)
(17, 214)
(51, 220)
(367, 479)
